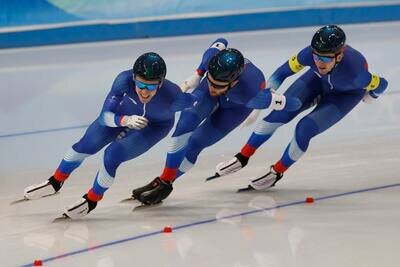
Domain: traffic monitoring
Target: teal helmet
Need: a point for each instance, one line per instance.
(328, 39)
(150, 66)
(226, 65)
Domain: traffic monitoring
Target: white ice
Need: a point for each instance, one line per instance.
(64, 86)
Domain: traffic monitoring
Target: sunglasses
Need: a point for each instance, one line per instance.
(217, 86)
(150, 87)
(325, 59)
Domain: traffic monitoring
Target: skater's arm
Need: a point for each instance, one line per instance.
(194, 80)
(295, 64)
(218, 45)
(262, 97)
(121, 85)
(372, 83)
(269, 99)
(187, 100)
(258, 96)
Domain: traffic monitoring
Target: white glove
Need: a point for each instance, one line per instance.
(134, 122)
(191, 82)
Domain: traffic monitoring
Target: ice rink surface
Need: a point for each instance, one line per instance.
(49, 94)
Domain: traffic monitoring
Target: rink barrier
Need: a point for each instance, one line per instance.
(93, 31)
(196, 223)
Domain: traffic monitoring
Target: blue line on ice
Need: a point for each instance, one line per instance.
(119, 241)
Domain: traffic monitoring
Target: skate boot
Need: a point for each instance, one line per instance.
(154, 192)
(266, 181)
(138, 191)
(44, 189)
(81, 208)
(231, 166)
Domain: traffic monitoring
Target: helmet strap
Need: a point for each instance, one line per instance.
(229, 88)
(336, 60)
(230, 85)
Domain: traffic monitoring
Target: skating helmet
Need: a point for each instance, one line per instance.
(150, 66)
(328, 39)
(226, 65)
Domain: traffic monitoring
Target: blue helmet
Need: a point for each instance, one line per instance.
(328, 39)
(226, 65)
(150, 66)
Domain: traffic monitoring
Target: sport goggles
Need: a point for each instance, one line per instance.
(142, 85)
(217, 86)
(325, 59)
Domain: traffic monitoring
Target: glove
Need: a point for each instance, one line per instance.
(134, 122)
(191, 82)
(154, 192)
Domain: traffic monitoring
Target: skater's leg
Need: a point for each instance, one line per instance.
(134, 144)
(188, 122)
(216, 127)
(95, 138)
(331, 109)
(307, 89)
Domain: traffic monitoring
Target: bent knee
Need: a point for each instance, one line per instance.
(112, 158)
(305, 130)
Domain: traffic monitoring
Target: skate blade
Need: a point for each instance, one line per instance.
(128, 200)
(19, 201)
(147, 206)
(245, 189)
(213, 177)
(62, 218)
(27, 199)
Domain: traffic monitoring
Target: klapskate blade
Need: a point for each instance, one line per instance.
(127, 200)
(19, 201)
(62, 218)
(146, 207)
(245, 189)
(212, 177)
(26, 199)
